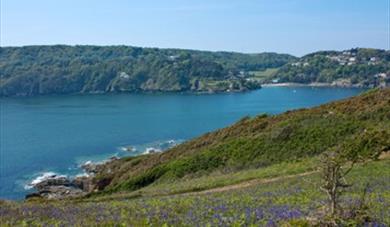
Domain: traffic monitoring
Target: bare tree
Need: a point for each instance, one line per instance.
(337, 163)
(333, 174)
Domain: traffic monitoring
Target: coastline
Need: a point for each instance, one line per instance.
(137, 92)
(311, 85)
(54, 185)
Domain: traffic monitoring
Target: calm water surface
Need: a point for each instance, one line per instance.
(57, 134)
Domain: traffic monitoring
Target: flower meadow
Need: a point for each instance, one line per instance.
(290, 202)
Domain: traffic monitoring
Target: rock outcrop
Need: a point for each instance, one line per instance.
(57, 187)
(53, 186)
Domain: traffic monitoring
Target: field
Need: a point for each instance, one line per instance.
(264, 75)
(289, 201)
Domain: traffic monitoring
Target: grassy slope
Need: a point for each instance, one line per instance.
(216, 179)
(259, 142)
(276, 202)
(264, 75)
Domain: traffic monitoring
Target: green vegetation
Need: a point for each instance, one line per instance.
(358, 67)
(60, 69)
(260, 171)
(287, 202)
(41, 70)
(215, 179)
(263, 75)
(361, 124)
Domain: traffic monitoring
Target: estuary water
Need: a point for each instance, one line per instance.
(57, 134)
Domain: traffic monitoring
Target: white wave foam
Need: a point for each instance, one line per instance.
(128, 149)
(44, 176)
(82, 175)
(89, 162)
(150, 150)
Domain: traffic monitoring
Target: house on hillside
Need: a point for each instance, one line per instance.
(383, 79)
(124, 75)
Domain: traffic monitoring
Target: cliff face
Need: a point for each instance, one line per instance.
(42, 70)
(354, 126)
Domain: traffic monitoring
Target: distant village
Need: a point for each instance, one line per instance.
(350, 58)
(345, 58)
(234, 80)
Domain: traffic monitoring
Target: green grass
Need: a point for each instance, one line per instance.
(265, 74)
(214, 180)
(285, 201)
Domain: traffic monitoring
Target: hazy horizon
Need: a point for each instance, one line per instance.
(295, 27)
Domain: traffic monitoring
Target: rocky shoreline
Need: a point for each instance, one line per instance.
(55, 186)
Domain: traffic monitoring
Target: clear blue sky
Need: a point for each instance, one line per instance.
(286, 26)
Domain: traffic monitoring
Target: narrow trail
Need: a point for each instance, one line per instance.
(248, 183)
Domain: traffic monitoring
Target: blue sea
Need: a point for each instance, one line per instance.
(59, 133)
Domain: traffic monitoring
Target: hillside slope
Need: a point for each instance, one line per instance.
(361, 67)
(359, 124)
(60, 69)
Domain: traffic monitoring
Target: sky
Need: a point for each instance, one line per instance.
(296, 27)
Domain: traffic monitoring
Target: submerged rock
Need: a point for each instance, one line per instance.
(113, 158)
(129, 149)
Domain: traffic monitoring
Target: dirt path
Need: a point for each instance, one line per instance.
(244, 184)
(249, 183)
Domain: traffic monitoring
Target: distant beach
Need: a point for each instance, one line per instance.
(310, 85)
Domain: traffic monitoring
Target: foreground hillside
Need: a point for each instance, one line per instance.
(294, 201)
(355, 125)
(42, 70)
